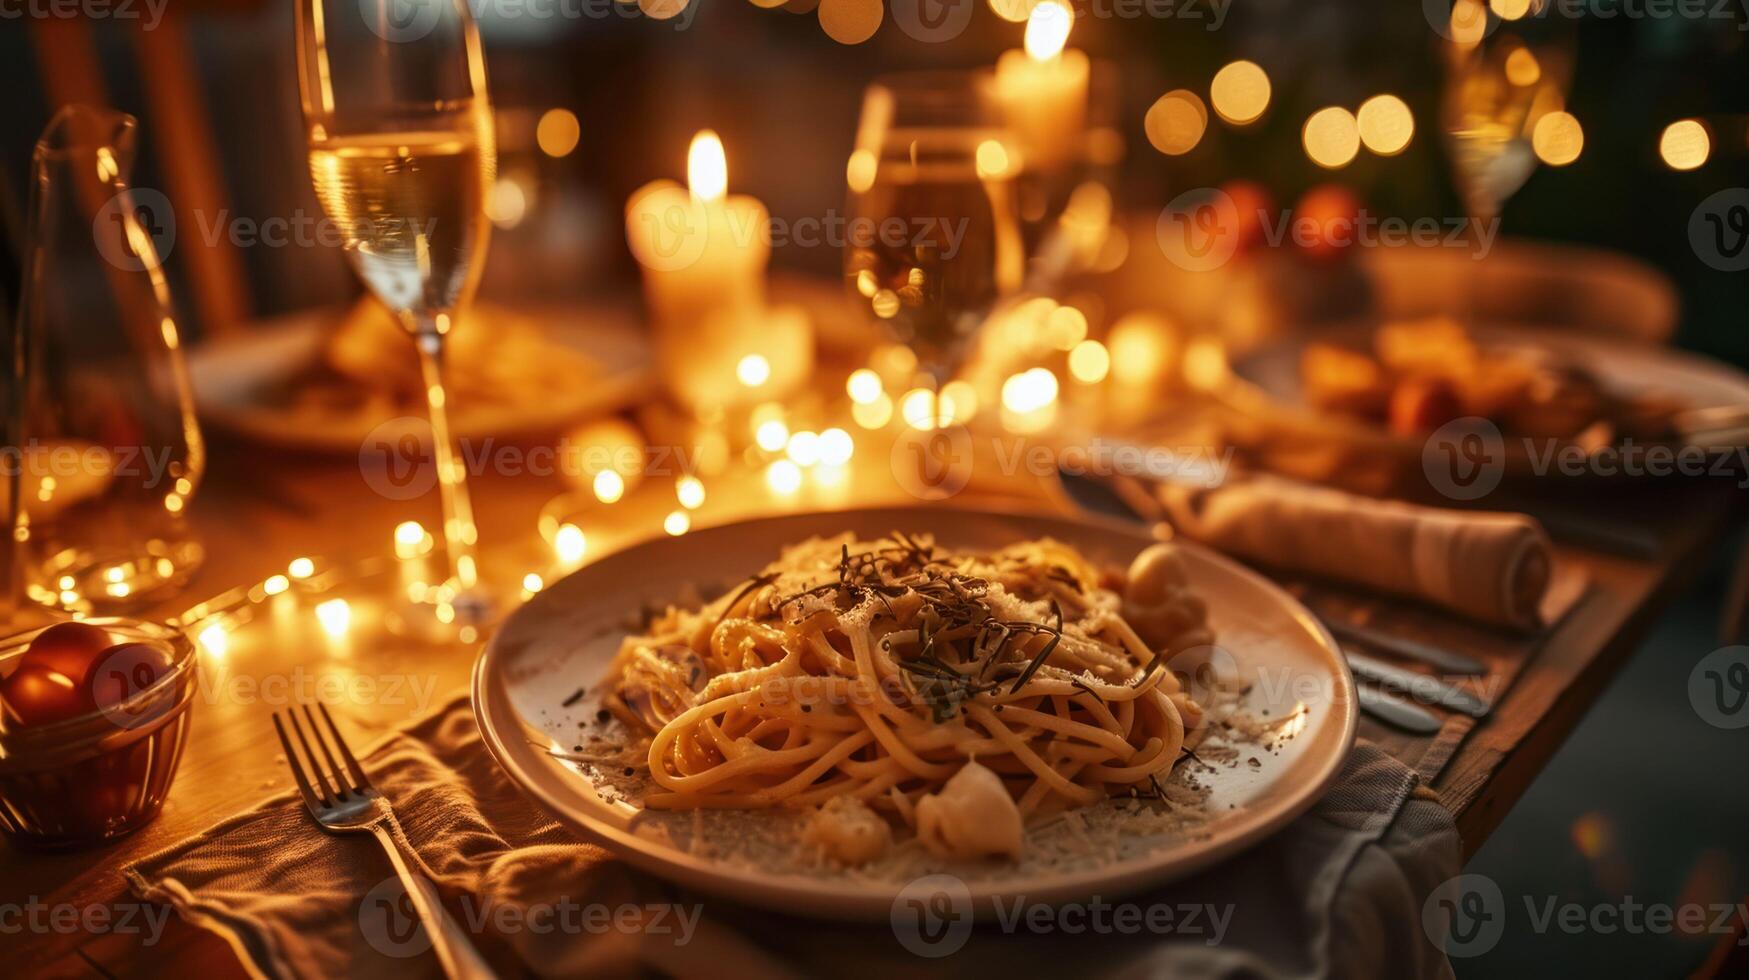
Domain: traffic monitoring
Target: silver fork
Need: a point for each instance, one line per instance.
(353, 805)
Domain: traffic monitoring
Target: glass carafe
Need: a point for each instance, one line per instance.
(104, 454)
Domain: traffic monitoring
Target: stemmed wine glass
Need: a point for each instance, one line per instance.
(1508, 64)
(932, 156)
(401, 148)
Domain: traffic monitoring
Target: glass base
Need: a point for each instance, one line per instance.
(97, 580)
(445, 613)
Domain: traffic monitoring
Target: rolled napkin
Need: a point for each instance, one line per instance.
(1491, 566)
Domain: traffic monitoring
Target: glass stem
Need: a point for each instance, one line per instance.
(459, 532)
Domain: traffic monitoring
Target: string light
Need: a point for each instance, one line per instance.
(1331, 137)
(557, 132)
(677, 522)
(1386, 126)
(1240, 92)
(1029, 390)
(959, 402)
(569, 544)
(836, 447)
(335, 615)
(1557, 138)
(609, 486)
(753, 370)
(690, 492)
(772, 435)
(532, 583)
(919, 408)
(804, 448)
(874, 414)
(275, 584)
(1175, 122)
(1685, 144)
(863, 386)
(1089, 362)
(783, 477)
(214, 640)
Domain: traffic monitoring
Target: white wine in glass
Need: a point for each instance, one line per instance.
(401, 155)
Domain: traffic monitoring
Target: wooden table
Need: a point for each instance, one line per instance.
(261, 509)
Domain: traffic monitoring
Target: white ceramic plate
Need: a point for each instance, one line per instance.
(229, 374)
(1267, 380)
(566, 635)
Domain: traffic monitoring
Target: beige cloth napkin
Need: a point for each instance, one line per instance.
(1339, 892)
(1493, 567)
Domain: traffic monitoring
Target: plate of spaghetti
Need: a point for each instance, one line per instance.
(811, 712)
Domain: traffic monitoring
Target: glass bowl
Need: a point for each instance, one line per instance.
(104, 773)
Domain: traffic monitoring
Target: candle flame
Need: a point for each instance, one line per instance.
(1047, 30)
(707, 172)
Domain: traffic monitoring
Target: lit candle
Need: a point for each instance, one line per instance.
(703, 253)
(1043, 90)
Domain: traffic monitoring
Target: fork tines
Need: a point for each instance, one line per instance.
(343, 788)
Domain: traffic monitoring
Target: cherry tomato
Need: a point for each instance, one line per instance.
(70, 649)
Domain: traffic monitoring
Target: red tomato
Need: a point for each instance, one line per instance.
(1251, 205)
(123, 671)
(71, 649)
(40, 696)
(1331, 212)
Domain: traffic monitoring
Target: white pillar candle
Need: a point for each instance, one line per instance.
(1043, 91)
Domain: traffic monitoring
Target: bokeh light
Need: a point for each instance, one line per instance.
(851, 21)
(1240, 92)
(557, 132)
(1557, 139)
(1685, 144)
(1175, 122)
(1386, 126)
(1332, 137)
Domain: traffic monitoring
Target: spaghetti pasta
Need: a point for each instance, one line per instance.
(877, 671)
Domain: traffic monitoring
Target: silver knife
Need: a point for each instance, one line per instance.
(1422, 687)
(1437, 657)
(1395, 711)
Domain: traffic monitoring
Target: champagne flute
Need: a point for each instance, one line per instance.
(932, 156)
(1508, 64)
(402, 152)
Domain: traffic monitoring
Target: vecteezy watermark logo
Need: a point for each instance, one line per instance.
(933, 21)
(1452, 19)
(1199, 229)
(1465, 916)
(1718, 230)
(400, 21)
(389, 920)
(135, 229)
(932, 916)
(933, 464)
(1718, 687)
(395, 458)
(1465, 458)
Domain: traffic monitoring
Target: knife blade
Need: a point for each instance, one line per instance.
(1421, 686)
(1395, 711)
(1446, 660)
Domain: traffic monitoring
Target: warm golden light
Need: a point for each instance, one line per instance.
(1067, 326)
(1029, 390)
(335, 615)
(1469, 22)
(532, 583)
(1331, 137)
(859, 173)
(1385, 124)
(1240, 92)
(771, 435)
(836, 447)
(557, 132)
(214, 640)
(707, 170)
(1139, 348)
(506, 203)
(1047, 30)
(569, 544)
(411, 541)
(1013, 11)
(753, 370)
(850, 21)
(1089, 362)
(609, 486)
(301, 568)
(677, 523)
(690, 492)
(274, 585)
(992, 159)
(1557, 139)
(873, 414)
(918, 408)
(1175, 122)
(959, 402)
(1522, 69)
(863, 386)
(1509, 9)
(804, 448)
(1685, 144)
(783, 477)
